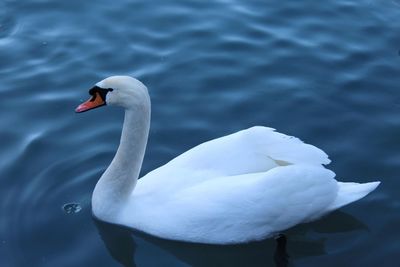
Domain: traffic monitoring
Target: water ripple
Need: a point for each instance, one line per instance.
(325, 72)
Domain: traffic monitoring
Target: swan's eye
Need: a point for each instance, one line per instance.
(99, 91)
(92, 91)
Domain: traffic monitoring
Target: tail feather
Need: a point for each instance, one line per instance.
(350, 192)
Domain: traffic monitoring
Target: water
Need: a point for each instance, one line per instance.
(327, 72)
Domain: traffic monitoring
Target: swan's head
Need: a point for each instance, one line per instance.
(123, 91)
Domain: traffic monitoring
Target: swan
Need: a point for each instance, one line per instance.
(246, 186)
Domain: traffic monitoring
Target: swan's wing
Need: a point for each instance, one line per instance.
(239, 208)
(255, 149)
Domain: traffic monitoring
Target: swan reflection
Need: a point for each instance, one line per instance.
(126, 245)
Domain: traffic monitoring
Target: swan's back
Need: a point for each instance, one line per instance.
(253, 150)
(256, 149)
(250, 151)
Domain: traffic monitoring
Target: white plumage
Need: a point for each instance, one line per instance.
(242, 187)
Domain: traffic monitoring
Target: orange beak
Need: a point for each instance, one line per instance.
(94, 102)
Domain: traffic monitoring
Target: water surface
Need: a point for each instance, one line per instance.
(326, 72)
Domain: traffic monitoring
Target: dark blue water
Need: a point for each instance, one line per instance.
(327, 72)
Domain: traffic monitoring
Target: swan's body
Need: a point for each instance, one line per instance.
(242, 187)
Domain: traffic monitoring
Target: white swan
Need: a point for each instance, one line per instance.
(238, 188)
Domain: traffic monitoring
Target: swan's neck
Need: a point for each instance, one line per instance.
(118, 181)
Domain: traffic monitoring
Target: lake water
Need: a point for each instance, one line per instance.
(327, 72)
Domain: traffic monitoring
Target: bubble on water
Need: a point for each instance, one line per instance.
(72, 208)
